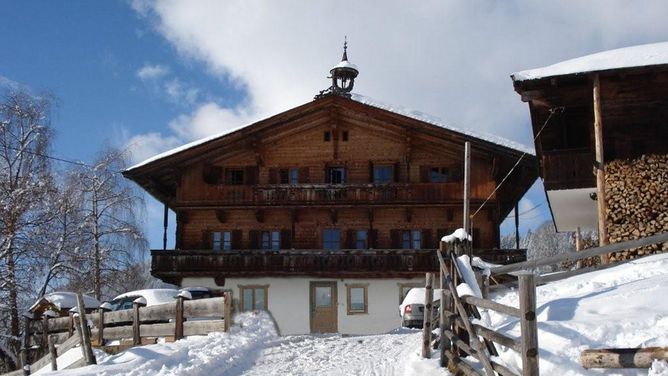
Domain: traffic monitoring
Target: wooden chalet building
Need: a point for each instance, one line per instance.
(601, 130)
(326, 214)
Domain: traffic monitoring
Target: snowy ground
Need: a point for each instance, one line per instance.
(624, 306)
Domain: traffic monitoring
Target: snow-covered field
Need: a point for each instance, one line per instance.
(624, 306)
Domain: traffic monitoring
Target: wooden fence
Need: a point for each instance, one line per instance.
(459, 337)
(127, 328)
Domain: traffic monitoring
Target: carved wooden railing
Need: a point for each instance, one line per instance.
(318, 194)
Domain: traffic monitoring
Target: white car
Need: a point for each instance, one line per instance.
(155, 296)
(411, 309)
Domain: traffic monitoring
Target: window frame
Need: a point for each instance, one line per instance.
(410, 237)
(325, 241)
(443, 174)
(365, 288)
(365, 239)
(235, 174)
(330, 173)
(224, 243)
(270, 240)
(253, 288)
(293, 176)
(388, 169)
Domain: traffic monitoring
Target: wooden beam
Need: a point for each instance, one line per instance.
(600, 167)
(622, 358)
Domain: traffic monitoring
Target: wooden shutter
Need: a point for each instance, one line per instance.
(286, 239)
(396, 173)
(328, 177)
(250, 175)
(254, 237)
(303, 175)
(426, 239)
(236, 239)
(370, 172)
(456, 172)
(206, 240)
(212, 174)
(395, 238)
(373, 239)
(273, 175)
(425, 172)
(350, 239)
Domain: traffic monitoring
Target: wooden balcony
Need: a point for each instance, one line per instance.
(171, 265)
(331, 194)
(568, 169)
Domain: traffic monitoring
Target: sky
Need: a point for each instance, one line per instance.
(148, 76)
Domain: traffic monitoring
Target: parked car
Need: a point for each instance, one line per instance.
(411, 309)
(156, 296)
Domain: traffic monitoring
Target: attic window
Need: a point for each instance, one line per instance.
(328, 136)
(344, 136)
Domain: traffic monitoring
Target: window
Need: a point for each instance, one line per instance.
(383, 174)
(439, 175)
(236, 176)
(254, 297)
(327, 136)
(411, 239)
(357, 298)
(270, 240)
(336, 175)
(344, 136)
(331, 238)
(294, 176)
(361, 239)
(221, 240)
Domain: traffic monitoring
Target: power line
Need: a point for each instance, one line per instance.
(59, 159)
(552, 112)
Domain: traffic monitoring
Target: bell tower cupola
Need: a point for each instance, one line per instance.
(343, 76)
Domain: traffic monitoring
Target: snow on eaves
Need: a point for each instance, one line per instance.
(433, 120)
(628, 57)
(417, 115)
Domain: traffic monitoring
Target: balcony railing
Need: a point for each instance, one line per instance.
(568, 169)
(314, 194)
(318, 263)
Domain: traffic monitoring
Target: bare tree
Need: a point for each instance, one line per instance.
(24, 183)
(110, 219)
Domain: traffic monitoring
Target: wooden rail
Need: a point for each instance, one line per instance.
(574, 256)
(454, 317)
(141, 325)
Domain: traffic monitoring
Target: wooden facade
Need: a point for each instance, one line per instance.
(328, 188)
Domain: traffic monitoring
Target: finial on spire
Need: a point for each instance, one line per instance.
(345, 48)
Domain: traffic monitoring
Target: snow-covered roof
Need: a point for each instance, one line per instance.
(152, 296)
(635, 56)
(414, 114)
(65, 300)
(345, 64)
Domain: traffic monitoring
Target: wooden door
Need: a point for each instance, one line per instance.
(323, 307)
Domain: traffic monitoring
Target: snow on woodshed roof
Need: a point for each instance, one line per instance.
(627, 57)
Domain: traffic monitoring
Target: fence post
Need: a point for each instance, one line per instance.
(178, 329)
(426, 321)
(528, 327)
(85, 331)
(53, 353)
(100, 327)
(136, 333)
(444, 322)
(227, 311)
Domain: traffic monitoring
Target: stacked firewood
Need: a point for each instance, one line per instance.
(637, 198)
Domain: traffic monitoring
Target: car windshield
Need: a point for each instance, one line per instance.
(122, 303)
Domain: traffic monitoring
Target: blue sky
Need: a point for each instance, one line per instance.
(152, 75)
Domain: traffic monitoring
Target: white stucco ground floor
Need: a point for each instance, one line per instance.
(301, 305)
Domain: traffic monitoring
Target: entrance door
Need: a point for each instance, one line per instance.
(323, 307)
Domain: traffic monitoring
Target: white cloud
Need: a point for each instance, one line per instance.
(177, 92)
(448, 58)
(152, 72)
(144, 146)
